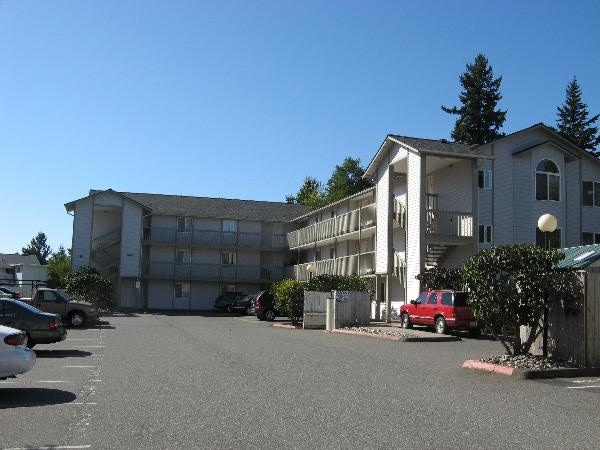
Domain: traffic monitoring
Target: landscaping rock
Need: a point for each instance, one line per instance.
(531, 362)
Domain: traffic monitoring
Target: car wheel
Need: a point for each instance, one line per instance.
(77, 318)
(229, 308)
(270, 315)
(406, 321)
(440, 325)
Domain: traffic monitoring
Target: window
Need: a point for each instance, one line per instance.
(228, 258)
(590, 238)
(485, 179)
(422, 297)
(447, 298)
(184, 224)
(182, 256)
(547, 181)
(332, 253)
(432, 300)
(230, 226)
(554, 240)
(590, 193)
(181, 290)
(485, 234)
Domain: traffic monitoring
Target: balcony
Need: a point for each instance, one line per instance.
(211, 238)
(449, 226)
(363, 264)
(210, 272)
(344, 225)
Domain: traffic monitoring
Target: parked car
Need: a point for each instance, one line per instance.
(225, 301)
(243, 305)
(15, 357)
(40, 327)
(74, 312)
(264, 306)
(443, 309)
(9, 293)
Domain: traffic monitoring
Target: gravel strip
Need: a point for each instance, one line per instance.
(528, 362)
(379, 332)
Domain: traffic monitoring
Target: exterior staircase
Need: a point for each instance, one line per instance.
(435, 254)
(399, 268)
(106, 255)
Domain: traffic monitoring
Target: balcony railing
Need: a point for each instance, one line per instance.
(449, 224)
(350, 222)
(400, 213)
(213, 238)
(211, 272)
(363, 264)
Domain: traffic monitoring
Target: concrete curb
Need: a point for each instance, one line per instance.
(288, 326)
(531, 374)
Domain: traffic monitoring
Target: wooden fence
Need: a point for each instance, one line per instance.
(351, 308)
(576, 337)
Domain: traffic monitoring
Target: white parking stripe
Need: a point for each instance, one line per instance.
(80, 403)
(51, 381)
(583, 387)
(82, 339)
(91, 346)
(81, 367)
(51, 448)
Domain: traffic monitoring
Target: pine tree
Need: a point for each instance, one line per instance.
(38, 247)
(478, 122)
(573, 123)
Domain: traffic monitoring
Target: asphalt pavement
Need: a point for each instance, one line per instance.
(217, 381)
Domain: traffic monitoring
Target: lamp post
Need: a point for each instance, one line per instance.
(547, 224)
(311, 270)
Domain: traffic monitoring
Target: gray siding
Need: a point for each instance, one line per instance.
(453, 186)
(485, 204)
(590, 221)
(160, 294)
(131, 238)
(572, 236)
(82, 233)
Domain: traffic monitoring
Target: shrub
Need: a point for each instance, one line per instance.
(440, 278)
(89, 285)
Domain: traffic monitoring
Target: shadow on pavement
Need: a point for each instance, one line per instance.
(28, 397)
(62, 354)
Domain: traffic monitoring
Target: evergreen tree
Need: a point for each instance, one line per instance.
(479, 121)
(39, 248)
(573, 123)
(346, 180)
(59, 265)
(310, 194)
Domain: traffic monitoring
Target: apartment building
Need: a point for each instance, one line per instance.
(437, 203)
(180, 252)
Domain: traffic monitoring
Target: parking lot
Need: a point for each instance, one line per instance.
(225, 381)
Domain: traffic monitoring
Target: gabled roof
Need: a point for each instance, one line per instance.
(11, 259)
(579, 257)
(181, 205)
(418, 144)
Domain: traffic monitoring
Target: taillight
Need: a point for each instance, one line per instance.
(15, 339)
(53, 324)
(257, 303)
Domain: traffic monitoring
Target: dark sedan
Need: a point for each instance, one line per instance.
(41, 327)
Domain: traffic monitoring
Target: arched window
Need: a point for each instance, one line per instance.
(547, 181)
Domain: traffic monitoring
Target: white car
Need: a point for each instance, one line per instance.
(15, 357)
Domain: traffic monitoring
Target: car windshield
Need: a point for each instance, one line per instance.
(27, 306)
(460, 299)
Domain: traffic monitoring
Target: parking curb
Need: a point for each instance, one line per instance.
(288, 326)
(385, 337)
(531, 374)
(388, 337)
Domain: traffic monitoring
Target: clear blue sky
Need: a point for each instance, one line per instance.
(244, 99)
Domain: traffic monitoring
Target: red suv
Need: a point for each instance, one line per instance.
(442, 309)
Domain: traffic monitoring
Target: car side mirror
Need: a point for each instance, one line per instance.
(414, 302)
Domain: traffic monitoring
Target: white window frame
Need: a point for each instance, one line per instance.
(487, 179)
(185, 256)
(188, 224)
(548, 176)
(183, 287)
(488, 234)
(228, 258)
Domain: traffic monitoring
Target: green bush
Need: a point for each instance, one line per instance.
(89, 285)
(440, 278)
